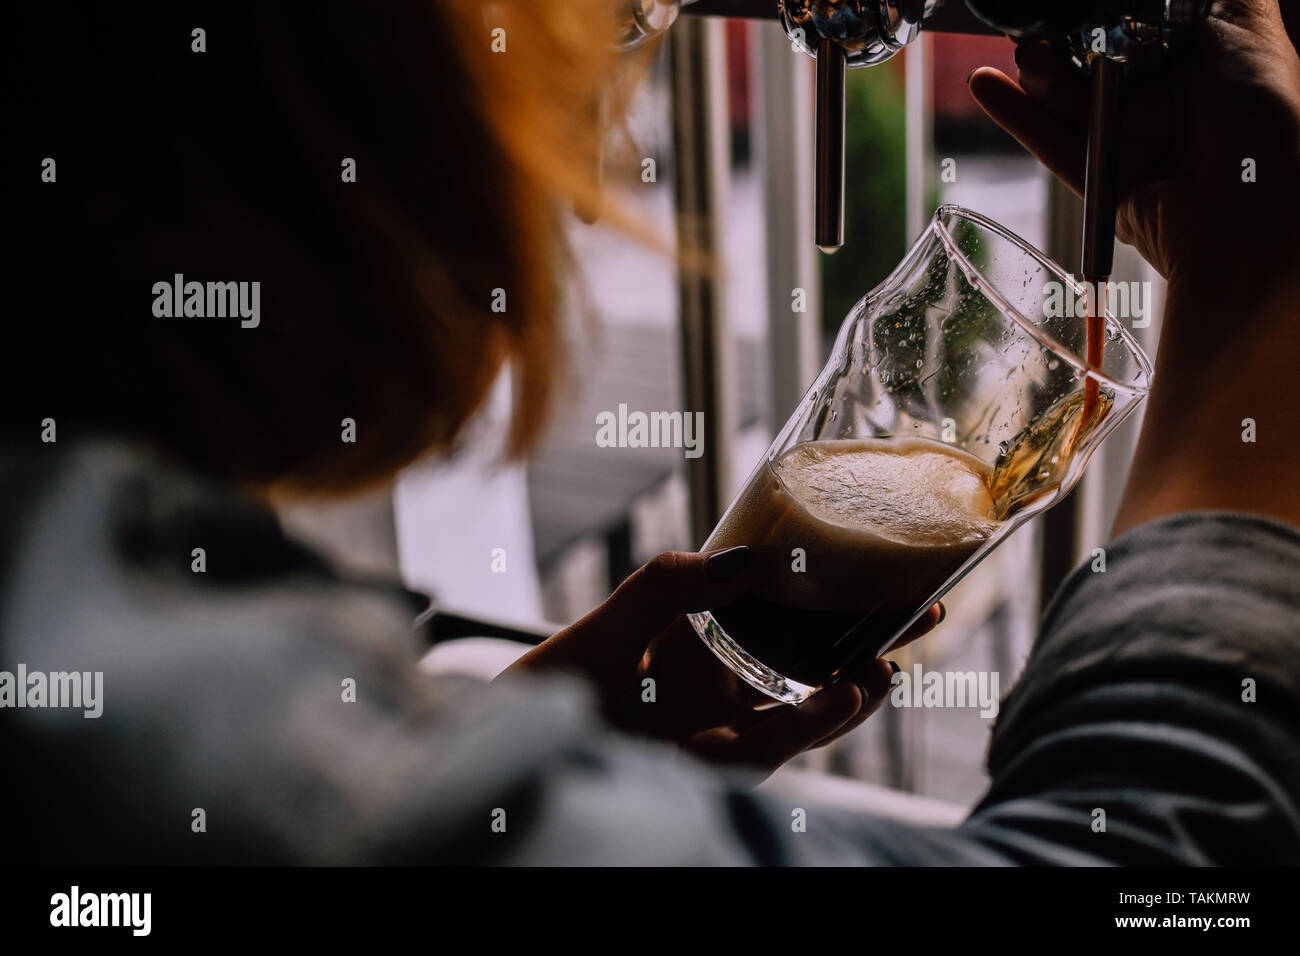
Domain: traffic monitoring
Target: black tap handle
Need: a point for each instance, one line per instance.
(1100, 188)
(828, 225)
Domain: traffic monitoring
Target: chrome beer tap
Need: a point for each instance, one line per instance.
(838, 34)
(1106, 38)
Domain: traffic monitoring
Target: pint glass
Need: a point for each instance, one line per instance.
(952, 410)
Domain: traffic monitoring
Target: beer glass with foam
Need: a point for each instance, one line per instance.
(954, 407)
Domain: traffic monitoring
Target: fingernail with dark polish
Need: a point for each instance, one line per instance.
(893, 666)
(1018, 52)
(725, 565)
(863, 691)
(969, 75)
(943, 612)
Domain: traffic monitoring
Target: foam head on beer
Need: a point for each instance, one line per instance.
(912, 492)
(880, 524)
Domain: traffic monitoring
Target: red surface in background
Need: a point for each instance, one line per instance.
(951, 61)
(737, 34)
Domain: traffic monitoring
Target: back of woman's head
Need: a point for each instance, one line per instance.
(226, 156)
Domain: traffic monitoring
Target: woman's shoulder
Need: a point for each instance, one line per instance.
(225, 666)
(130, 511)
(103, 540)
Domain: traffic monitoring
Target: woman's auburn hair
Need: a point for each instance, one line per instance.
(392, 301)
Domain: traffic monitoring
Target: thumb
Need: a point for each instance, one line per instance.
(614, 636)
(675, 583)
